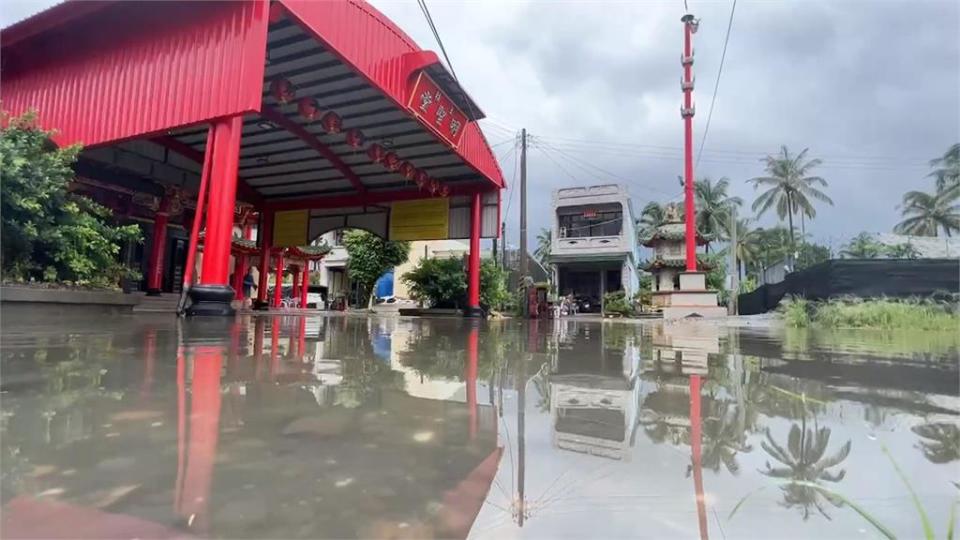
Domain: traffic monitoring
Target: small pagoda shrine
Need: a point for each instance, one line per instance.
(677, 292)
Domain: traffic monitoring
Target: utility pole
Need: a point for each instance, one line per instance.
(524, 263)
(734, 271)
(687, 111)
(503, 255)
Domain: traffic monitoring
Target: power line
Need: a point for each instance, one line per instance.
(436, 35)
(716, 86)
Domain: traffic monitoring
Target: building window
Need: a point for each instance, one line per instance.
(591, 224)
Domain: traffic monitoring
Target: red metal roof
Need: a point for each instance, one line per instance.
(145, 68)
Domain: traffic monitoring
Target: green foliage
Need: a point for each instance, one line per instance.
(881, 313)
(947, 169)
(542, 252)
(902, 251)
(862, 246)
(50, 234)
(617, 302)
(925, 214)
(442, 283)
(369, 256)
(713, 206)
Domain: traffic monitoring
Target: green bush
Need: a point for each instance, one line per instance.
(442, 283)
(882, 313)
(617, 302)
(48, 233)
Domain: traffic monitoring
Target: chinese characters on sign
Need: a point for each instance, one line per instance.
(437, 109)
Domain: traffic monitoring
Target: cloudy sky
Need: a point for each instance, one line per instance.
(871, 87)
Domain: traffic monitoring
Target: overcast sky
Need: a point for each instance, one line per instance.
(871, 87)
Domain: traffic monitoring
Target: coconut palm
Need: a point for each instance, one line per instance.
(542, 253)
(947, 171)
(653, 215)
(748, 243)
(862, 246)
(805, 460)
(940, 441)
(713, 206)
(790, 188)
(925, 214)
(723, 438)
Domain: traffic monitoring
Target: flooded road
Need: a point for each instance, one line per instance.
(343, 427)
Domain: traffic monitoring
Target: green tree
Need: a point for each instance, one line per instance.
(809, 254)
(862, 246)
(947, 171)
(442, 283)
(542, 253)
(713, 207)
(902, 251)
(48, 233)
(789, 187)
(653, 215)
(748, 243)
(925, 213)
(369, 256)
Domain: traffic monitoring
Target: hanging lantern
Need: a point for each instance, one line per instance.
(331, 122)
(408, 171)
(391, 161)
(421, 178)
(308, 108)
(355, 138)
(444, 190)
(434, 186)
(376, 153)
(282, 90)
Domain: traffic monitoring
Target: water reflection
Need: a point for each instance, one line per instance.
(384, 428)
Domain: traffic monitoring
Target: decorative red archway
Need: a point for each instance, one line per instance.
(290, 105)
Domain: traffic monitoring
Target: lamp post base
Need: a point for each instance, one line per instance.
(211, 300)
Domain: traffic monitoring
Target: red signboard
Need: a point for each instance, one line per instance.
(437, 110)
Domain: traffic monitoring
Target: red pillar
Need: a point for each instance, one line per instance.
(158, 247)
(258, 325)
(295, 293)
(689, 26)
(213, 295)
(149, 357)
(278, 281)
(274, 346)
(264, 233)
(304, 284)
(473, 263)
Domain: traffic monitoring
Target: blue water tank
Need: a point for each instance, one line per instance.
(384, 285)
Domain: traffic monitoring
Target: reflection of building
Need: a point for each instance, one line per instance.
(684, 348)
(594, 246)
(594, 393)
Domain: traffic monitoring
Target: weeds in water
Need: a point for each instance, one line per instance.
(881, 313)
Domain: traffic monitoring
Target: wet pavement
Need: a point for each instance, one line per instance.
(386, 427)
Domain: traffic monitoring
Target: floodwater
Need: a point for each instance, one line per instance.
(342, 427)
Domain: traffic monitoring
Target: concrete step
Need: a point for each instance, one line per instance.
(165, 303)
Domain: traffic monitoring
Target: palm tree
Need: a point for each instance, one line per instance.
(805, 460)
(862, 246)
(723, 438)
(748, 243)
(543, 246)
(713, 206)
(927, 213)
(947, 173)
(653, 215)
(790, 188)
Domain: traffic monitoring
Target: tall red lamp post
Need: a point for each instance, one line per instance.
(687, 111)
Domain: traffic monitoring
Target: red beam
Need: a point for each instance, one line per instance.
(246, 192)
(371, 198)
(281, 120)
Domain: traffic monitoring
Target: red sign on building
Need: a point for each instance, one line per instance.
(433, 106)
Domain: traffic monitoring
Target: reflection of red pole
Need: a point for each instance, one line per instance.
(304, 284)
(258, 346)
(302, 337)
(695, 451)
(470, 375)
(295, 293)
(274, 346)
(689, 27)
(473, 261)
(204, 434)
(181, 426)
(149, 358)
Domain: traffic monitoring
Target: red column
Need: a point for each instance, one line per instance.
(274, 346)
(278, 281)
(470, 376)
(149, 357)
(258, 324)
(223, 198)
(305, 284)
(473, 263)
(295, 293)
(687, 114)
(264, 233)
(157, 248)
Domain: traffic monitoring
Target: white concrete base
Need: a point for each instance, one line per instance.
(693, 299)
(680, 312)
(693, 281)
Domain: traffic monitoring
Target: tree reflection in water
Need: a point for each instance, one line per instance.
(805, 459)
(939, 441)
(724, 437)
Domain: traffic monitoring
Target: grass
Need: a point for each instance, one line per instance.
(881, 313)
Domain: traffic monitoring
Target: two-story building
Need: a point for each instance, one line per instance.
(594, 241)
